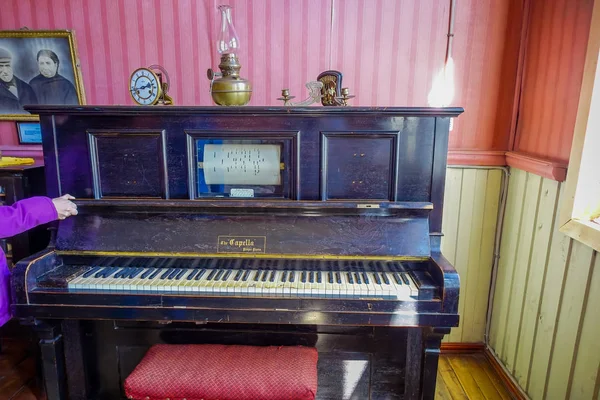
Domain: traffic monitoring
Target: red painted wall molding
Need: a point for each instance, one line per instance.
(477, 157)
(556, 170)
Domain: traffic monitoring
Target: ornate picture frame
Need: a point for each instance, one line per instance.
(38, 67)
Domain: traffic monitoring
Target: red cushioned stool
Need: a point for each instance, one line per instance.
(221, 372)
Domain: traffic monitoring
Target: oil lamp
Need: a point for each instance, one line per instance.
(226, 87)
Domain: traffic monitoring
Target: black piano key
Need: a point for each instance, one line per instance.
(377, 279)
(283, 276)
(180, 273)
(246, 275)
(155, 273)
(330, 277)
(357, 277)
(257, 275)
(90, 272)
(167, 273)
(173, 273)
(292, 276)
(238, 275)
(272, 277)
(404, 278)
(191, 275)
(126, 272)
(135, 273)
(106, 272)
(303, 277)
(211, 275)
(120, 273)
(202, 271)
(265, 275)
(219, 274)
(397, 278)
(350, 280)
(365, 278)
(226, 275)
(385, 278)
(311, 277)
(147, 273)
(338, 278)
(319, 278)
(100, 273)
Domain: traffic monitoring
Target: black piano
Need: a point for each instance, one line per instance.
(254, 225)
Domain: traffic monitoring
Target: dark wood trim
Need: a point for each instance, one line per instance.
(462, 348)
(508, 381)
(477, 157)
(555, 170)
(246, 110)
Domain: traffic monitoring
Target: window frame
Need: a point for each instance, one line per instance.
(580, 196)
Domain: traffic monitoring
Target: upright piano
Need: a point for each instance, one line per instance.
(316, 226)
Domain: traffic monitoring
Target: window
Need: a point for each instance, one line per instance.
(580, 208)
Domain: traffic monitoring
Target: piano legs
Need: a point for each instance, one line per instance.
(422, 354)
(66, 374)
(76, 373)
(53, 365)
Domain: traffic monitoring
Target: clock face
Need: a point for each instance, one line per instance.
(144, 87)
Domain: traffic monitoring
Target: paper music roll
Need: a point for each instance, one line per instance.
(242, 164)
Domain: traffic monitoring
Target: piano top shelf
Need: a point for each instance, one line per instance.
(260, 206)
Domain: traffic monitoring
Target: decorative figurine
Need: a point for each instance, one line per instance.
(332, 83)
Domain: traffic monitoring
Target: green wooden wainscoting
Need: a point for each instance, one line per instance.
(471, 202)
(546, 306)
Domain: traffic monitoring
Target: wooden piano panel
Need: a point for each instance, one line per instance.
(131, 164)
(359, 167)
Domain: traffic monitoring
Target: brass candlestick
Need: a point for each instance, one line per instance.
(345, 97)
(285, 96)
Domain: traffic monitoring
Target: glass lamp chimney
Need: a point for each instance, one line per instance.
(228, 42)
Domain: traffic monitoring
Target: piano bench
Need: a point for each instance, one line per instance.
(224, 372)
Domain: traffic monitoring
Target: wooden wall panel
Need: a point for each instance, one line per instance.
(555, 56)
(388, 50)
(469, 225)
(544, 326)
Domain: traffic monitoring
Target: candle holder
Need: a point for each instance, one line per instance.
(343, 99)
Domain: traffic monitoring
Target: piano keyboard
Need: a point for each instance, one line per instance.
(390, 282)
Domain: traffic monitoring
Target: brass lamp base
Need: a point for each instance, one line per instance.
(229, 89)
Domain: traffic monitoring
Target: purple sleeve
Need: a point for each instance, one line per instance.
(26, 214)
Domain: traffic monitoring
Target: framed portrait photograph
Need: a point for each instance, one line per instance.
(29, 133)
(38, 67)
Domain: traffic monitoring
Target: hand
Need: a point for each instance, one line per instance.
(64, 207)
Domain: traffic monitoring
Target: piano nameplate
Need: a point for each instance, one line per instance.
(241, 244)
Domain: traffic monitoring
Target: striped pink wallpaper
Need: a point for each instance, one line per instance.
(388, 50)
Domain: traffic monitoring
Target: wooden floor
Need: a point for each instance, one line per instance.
(468, 376)
(460, 376)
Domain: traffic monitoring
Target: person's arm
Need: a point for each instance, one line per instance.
(28, 213)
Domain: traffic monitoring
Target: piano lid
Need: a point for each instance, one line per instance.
(201, 232)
